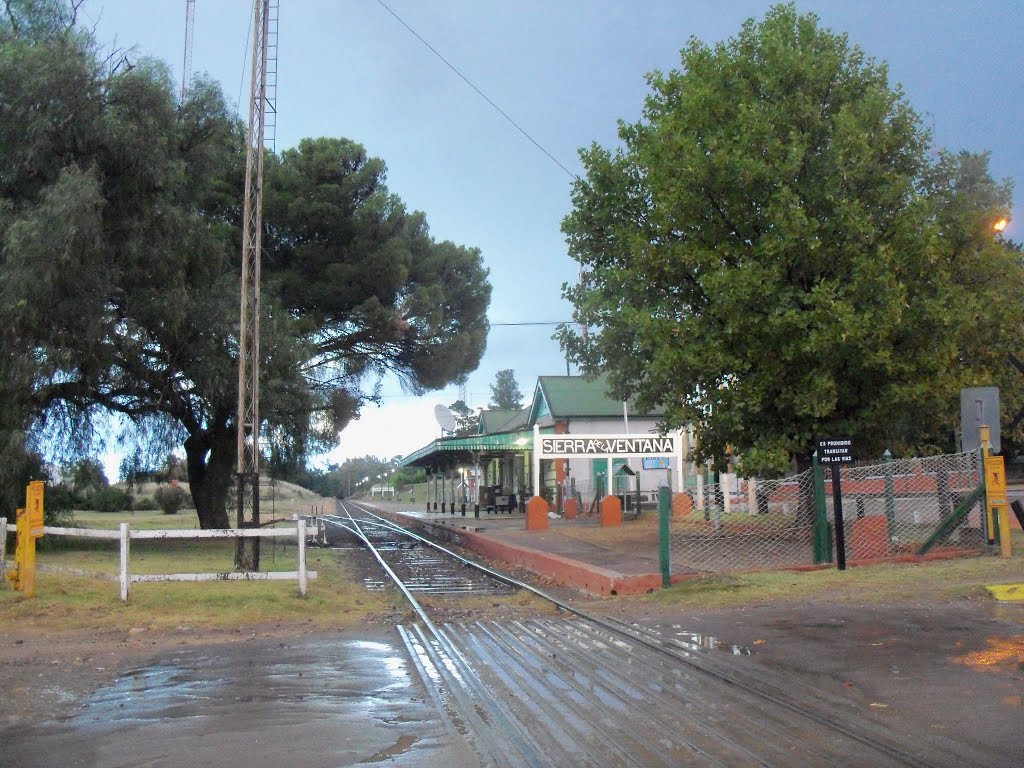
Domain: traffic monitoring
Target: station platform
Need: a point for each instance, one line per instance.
(623, 562)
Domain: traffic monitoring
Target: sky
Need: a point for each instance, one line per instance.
(565, 72)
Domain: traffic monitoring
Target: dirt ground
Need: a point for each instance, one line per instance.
(945, 669)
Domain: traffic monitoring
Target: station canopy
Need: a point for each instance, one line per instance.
(448, 452)
(510, 432)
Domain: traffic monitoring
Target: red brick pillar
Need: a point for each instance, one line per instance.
(682, 505)
(570, 509)
(611, 511)
(536, 514)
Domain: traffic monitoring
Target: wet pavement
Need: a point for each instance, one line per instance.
(559, 692)
(327, 701)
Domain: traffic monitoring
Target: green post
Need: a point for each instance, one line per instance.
(822, 529)
(890, 494)
(664, 516)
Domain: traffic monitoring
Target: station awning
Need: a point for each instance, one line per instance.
(456, 450)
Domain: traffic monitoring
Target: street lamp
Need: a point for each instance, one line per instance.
(1000, 225)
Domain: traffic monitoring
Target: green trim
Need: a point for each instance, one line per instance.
(507, 442)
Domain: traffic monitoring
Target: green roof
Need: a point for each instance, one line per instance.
(502, 421)
(455, 450)
(577, 397)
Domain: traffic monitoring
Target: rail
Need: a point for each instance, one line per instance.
(800, 702)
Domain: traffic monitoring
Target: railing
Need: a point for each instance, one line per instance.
(125, 535)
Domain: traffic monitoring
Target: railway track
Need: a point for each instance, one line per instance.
(585, 690)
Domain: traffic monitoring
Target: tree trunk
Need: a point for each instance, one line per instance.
(210, 457)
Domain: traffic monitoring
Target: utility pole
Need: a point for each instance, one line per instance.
(186, 67)
(247, 552)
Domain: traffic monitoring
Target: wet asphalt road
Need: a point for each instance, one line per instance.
(322, 702)
(539, 692)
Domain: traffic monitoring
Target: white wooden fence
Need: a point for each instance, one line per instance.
(125, 535)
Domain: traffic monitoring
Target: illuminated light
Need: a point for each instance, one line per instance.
(1000, 225)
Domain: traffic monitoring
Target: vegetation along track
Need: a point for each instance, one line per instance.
(586, 690)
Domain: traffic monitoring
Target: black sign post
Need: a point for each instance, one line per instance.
(835, 453)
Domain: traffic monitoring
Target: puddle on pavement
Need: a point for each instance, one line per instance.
(403, 744)
(319, 681)
(696, 641)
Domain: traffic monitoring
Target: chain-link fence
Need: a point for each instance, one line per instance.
(890, 509)
(906, 506)
(744, 525)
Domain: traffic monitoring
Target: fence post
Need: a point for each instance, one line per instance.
(124, 561)
(303, 580)
(3, 550)
(664, 516)
(890, 494)
(822, 532)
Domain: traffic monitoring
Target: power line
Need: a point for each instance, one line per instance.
(556, 322)
(482, 95)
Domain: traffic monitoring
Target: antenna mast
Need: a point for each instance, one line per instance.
(264, 40)
(186, 68)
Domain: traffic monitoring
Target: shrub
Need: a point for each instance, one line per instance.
(170, 498)
(146, 503)
(110, 499)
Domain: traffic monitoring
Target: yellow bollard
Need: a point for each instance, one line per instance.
(25, 555)
(30, 528)
(998, 511)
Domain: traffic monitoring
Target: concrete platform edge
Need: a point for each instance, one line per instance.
(562, 570)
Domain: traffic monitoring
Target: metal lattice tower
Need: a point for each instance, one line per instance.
(186, 67)
(247, 553)
(270, 93)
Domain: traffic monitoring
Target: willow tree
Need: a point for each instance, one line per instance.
(773, 256)
(120, 257)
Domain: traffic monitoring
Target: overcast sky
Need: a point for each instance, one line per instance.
(565, 71)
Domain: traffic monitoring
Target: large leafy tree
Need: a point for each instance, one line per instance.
(119, 229)
(773, 255)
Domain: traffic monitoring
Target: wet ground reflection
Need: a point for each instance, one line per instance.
(298, 703)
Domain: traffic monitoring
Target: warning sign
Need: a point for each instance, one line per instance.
(34, 507)
(835, 451)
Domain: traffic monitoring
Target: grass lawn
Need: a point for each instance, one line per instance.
(919, 582)
(335, 598)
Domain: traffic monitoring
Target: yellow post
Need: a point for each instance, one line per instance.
(995, 497)
(990, 527)
(30, 528)
(25, 555)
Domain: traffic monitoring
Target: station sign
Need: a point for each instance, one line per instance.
(835, 451)
(567, 446)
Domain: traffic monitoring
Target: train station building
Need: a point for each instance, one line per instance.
(508, 460)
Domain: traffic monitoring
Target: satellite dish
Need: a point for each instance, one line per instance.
(444, 417)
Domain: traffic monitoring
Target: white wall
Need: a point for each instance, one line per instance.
(582, 469)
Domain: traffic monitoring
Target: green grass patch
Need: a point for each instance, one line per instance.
(921, 582)
(142, 520)
(335, 598)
